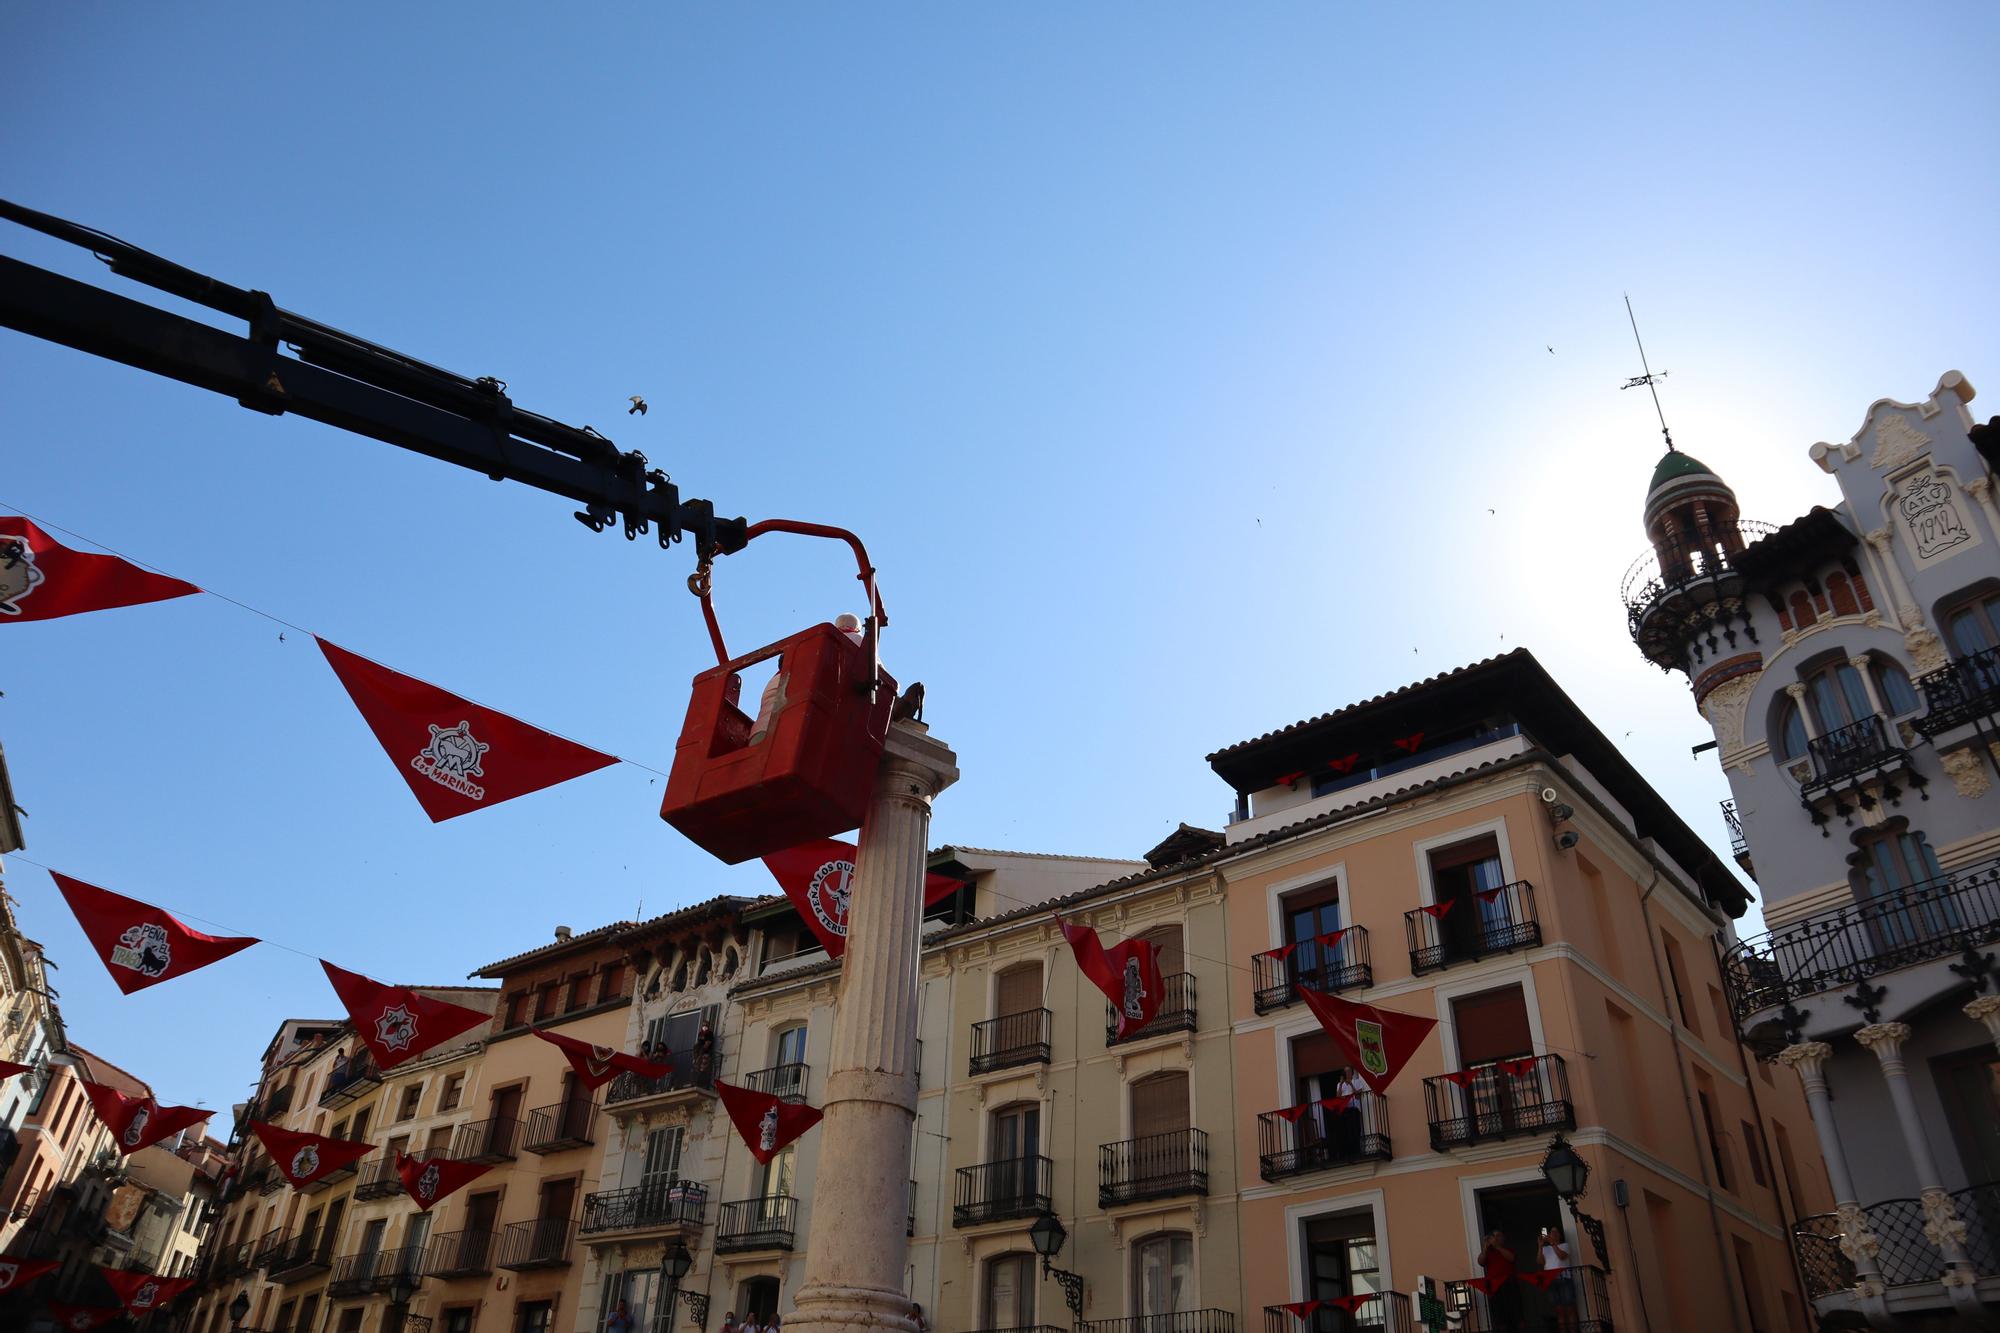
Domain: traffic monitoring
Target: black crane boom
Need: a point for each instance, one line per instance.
(344, 381)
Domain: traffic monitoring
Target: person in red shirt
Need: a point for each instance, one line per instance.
(1503, 1292)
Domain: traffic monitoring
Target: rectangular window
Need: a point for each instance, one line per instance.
(663, 1156)
(517, 1009)
(1714, 1143)
(611, 982)
(534, 1317)
(1018, 990)
(579, 991)
(361, 1122)
(1756, 1157)
(454, 1088)
(1491, 1025)
(1676, 970)
(412, 1095)
(545, 1002)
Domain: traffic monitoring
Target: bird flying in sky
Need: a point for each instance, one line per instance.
(638, 406)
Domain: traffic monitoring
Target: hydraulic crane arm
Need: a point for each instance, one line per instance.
(344, 381)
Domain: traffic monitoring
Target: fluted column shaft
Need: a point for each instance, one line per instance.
(858, 1251)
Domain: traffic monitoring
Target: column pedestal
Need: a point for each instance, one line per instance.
(856, 1260)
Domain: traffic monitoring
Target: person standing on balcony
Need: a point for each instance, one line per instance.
(1562, 1291)
(619, 1320)
(1348, 1123)
(704, 1054)
(1503, 1290)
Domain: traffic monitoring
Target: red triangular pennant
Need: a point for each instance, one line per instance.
(1488, 895)
(457, 756)
(1331, 939)
(41, 579)
(1542, 1280)
(819, 876)
(1287, 779)
(1290, 1114)
(135, 1122)
(1436, 911)
(1345, 764)
(596, 1066)
(142, 1293)
(395, 1022)
(141, 945)
(1489, 1285)
(1128, 973)
(1337, 1104)
(767, 1123)
(1520, 1068)
(1460, 1078)
(1353, 1302)
(1408, 744)
(1281, 953)
(429, 1182)
(18, 1273)
(80, 1317)
(8, 1069)
(1301, 1309)
(303, 1158)
(1379, 1041)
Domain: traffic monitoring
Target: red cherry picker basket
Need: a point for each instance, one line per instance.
(803, 767)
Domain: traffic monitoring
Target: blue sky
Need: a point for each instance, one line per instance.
(1169, 357)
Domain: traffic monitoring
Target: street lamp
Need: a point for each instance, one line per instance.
(1048, 1236)
(402, 1286)
(1567, 1173)
(674, 1266)
(239, 1309)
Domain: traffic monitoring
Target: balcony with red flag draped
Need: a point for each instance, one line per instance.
(1575, 1300)
(1317, 1136)
(1502, 1100)
(1363, 1312)
(1475, 924)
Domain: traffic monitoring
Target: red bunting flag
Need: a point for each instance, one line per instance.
(1542, 1280)
(142, 1293)
(135, 1122)
(1488, 895)
(767, 1123)
(18, 1273)
(1436, 911)
(1128, 973)
(41, 579)
(1489, 1285)
(303, 1158)
(1408, 744)
(457, 756)
(80, 1317)
(1353, 1302)
(1379, 1041)
(819, 878)
(1521, 1068)
(395, 1022)
(1331, 939)
(428, 1182)
(1281, 953)
(1301, 1310)
(1460, 1078)
(1345, 764)
(1287, 779)
(141, 945)
(8, 1069)
(596, 1066)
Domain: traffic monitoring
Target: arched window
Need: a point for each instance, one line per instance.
(1838, 696)
(1974, 626)
(1893, 684)
(1163, 1274)
(1897, 877)
(1791, 731)
(1007, 1298)
(757, 1298)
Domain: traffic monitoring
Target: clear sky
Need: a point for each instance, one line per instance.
(1184, 366)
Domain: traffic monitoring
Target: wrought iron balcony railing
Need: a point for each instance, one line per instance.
(664, 1203)
(1387, 1311)
(1319, 1135)
(1852, 750)
(1155, 1166)
(350, 1079)
(1967, 689)
(300, 1255)
(996, 1191)
(1176, 1011)
(380, 1180)
(495, 1140)
(1576, 1300)
(683, 1077)
(1739, 846)
(787, 1081)
(1011, 1039)
(1497, 1101)
(460, 1254)
(544, 1242)
(276, 1104)
(374, 1270)
(1475, 925)
(1665, 570)
(1186, 1321)
(565, 1125)
(756, 1224)
(1842, 945)
(1342, 965)
(1906, 1257)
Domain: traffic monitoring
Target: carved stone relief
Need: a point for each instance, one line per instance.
(1896, 442)
(1927, 652)
(1724, 708)
(1967, 773)
(1929, 515)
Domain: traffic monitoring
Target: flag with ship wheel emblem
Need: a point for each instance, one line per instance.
(457, 756)
(596, 1066)
(819, 879)
(303, 1158)
(395, 1022)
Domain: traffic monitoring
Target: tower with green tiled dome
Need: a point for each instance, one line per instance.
(1684, 599)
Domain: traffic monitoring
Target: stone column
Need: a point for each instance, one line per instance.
(1907, 615)
(1860, 664)
(855, 1261)
(1808, 1060)
(1797, 690)
(1941, 1222)
(1986, 1009)
(1980, 489)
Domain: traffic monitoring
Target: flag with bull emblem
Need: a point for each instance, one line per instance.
(596, 1066)
(80, 1317)
(141, 945)
(819, 878)
(395, 1022)
(428, 1182)
(41, 579)
(18, 1273)
(1128, 973)
(766, 1122)
(303, 1158)
(135, 1122)
(457, 756)
(1379, 1041)
(142, 1293)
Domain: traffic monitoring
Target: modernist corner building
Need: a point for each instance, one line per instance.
(1849, 663)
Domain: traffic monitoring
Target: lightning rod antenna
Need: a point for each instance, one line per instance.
(1649, 378)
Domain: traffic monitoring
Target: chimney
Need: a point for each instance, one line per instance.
(563, 934)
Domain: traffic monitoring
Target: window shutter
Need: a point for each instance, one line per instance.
(1020, 989)
(1492, 1025)
(1159, 1105)
(1166, 940)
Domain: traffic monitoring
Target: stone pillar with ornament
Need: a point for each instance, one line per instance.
(1808, 1060)
(855, 1266)
(1942, 1225)
(1985, 1009)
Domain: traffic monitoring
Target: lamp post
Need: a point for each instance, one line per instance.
(1567, 1173)
(1048, 1236)
(401, 1288)
(674, 1265)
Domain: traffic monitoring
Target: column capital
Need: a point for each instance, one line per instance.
(1985, 1009)
(1977, 487)
(915, 762)
(1805, 1058)
(1884, 1039)
(1878, 538)
(1797, 690)
(1859, 661)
